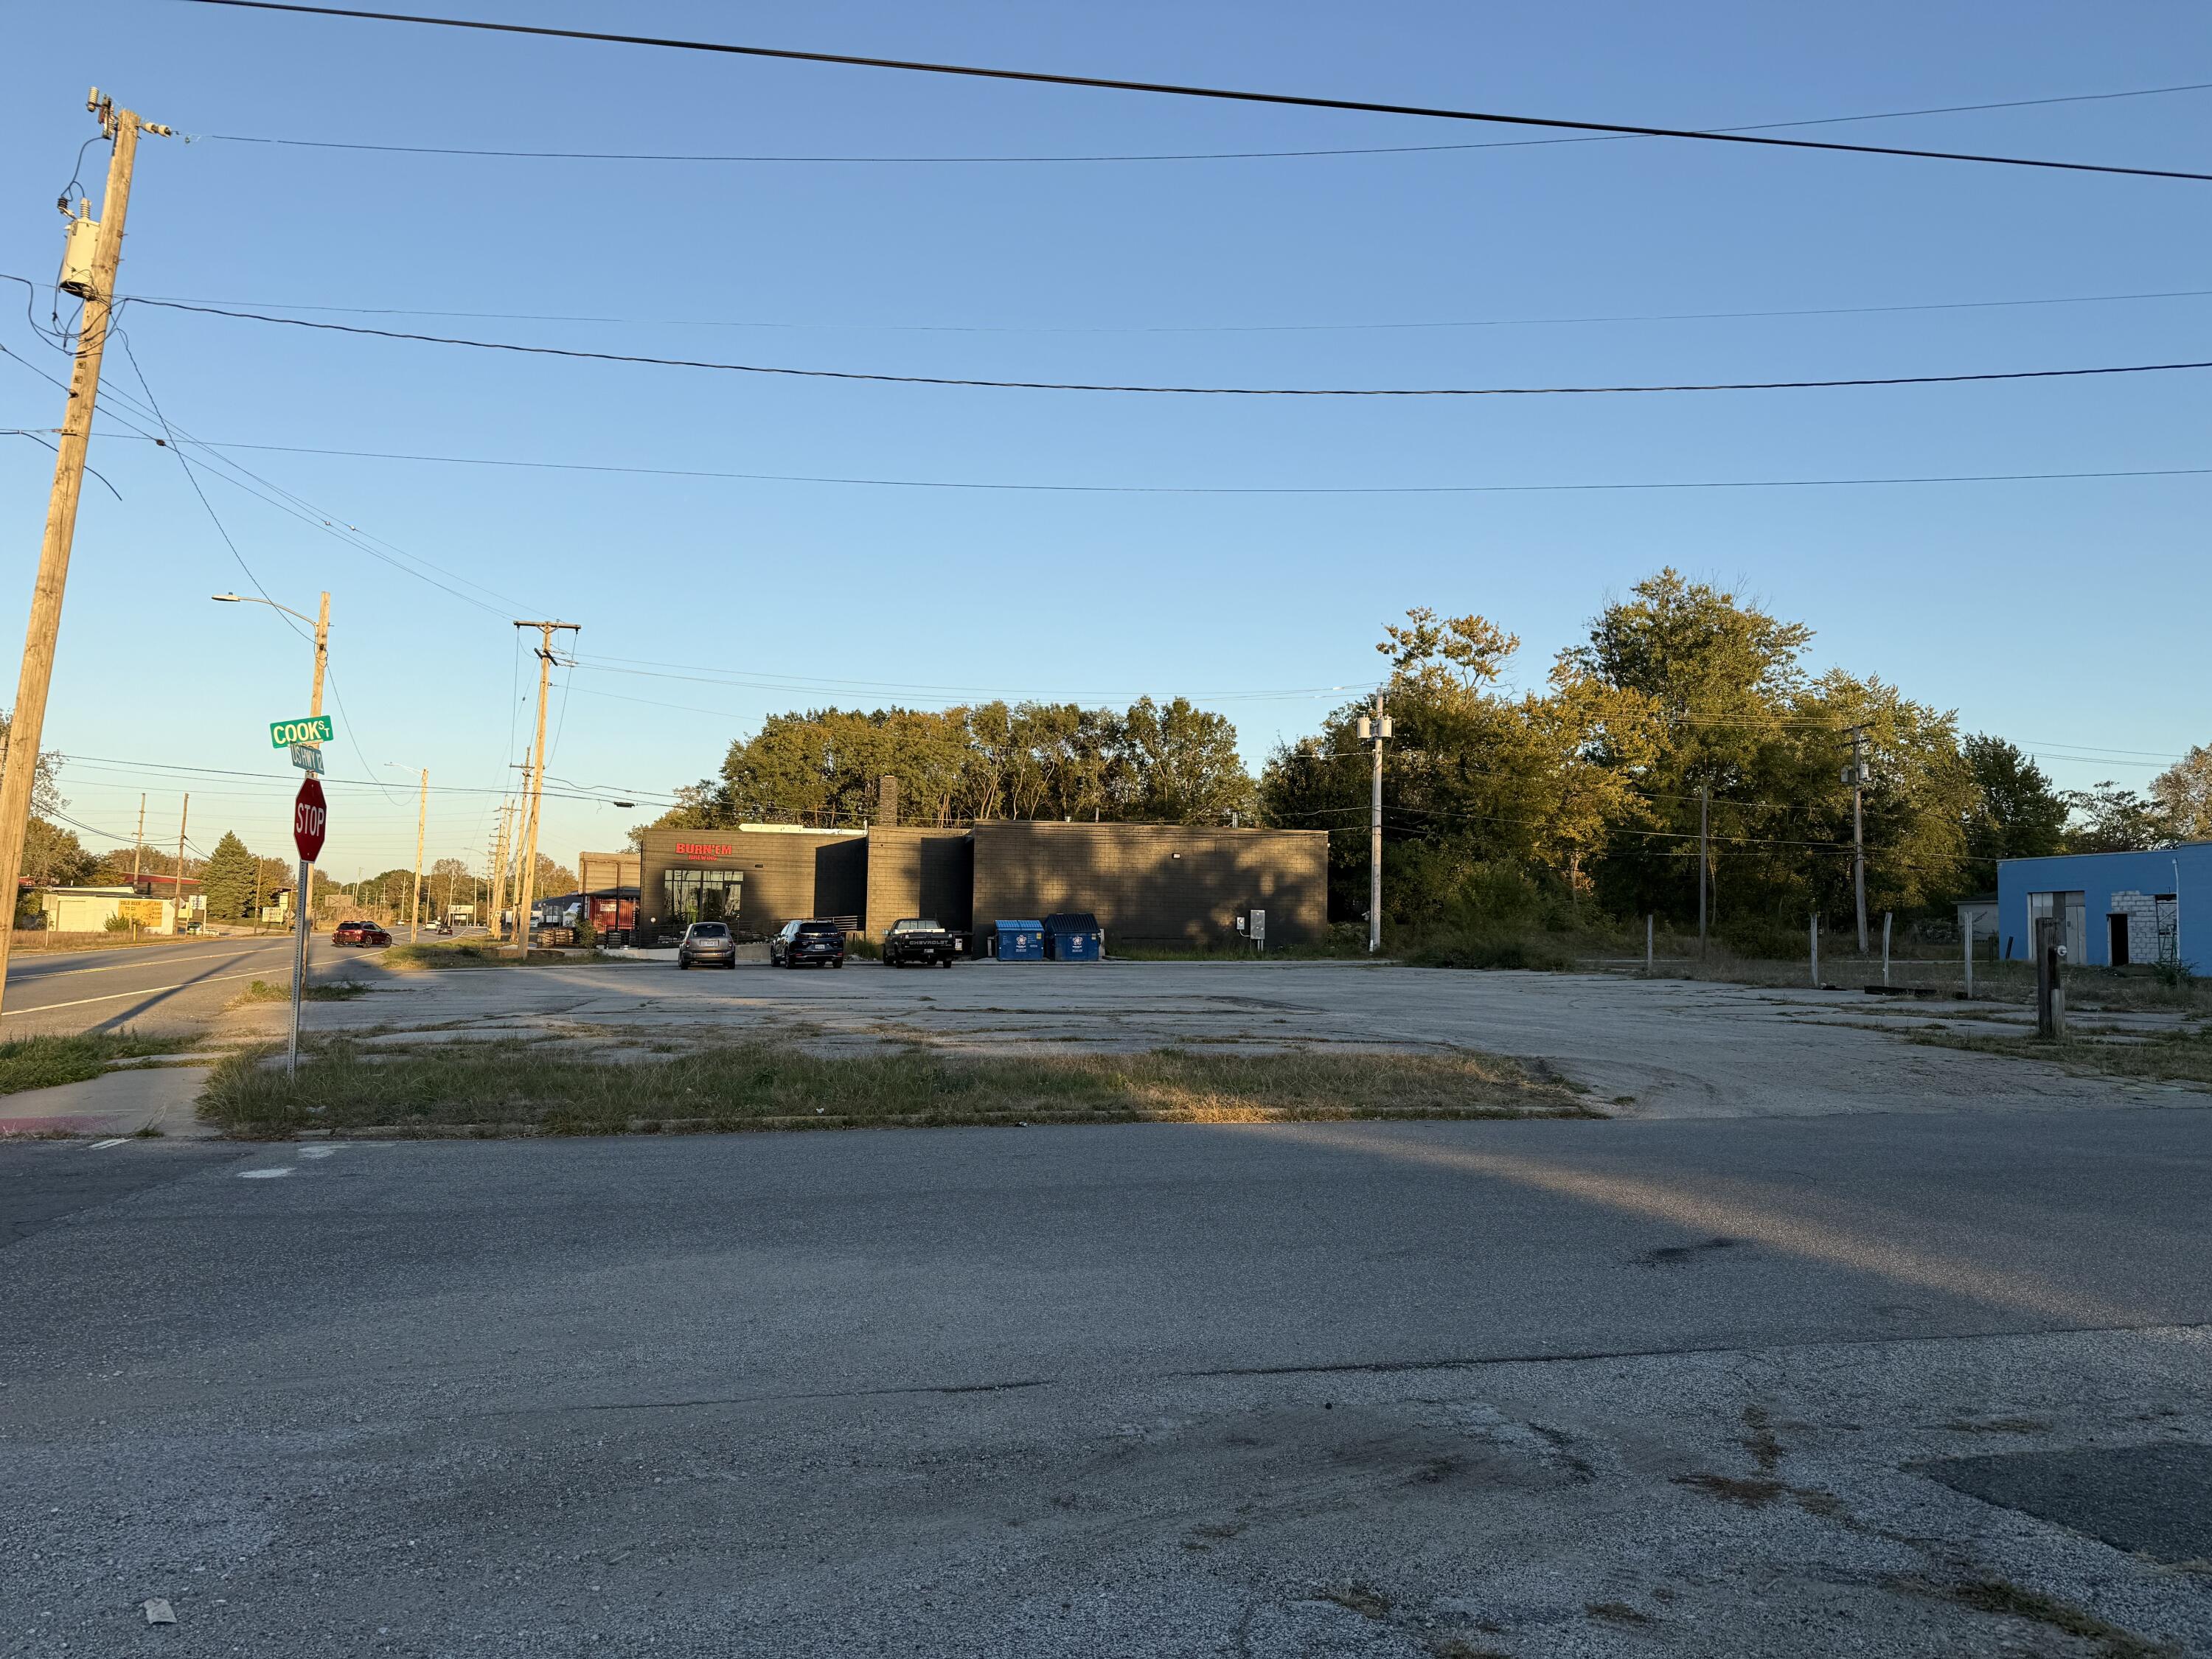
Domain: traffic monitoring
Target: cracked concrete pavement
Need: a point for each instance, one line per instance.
(1671, 1048)
(1435, 1389)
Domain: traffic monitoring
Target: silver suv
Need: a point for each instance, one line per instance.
(707, 944)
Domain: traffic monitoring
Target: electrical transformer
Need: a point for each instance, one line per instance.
(77, 250)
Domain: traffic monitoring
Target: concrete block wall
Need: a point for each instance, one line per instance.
(916, 871)
(2141, 911)
(1169, 883)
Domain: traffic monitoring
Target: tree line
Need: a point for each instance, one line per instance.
(1157, 762)
(1584, 794)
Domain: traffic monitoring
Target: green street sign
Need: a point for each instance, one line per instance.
(316, 728)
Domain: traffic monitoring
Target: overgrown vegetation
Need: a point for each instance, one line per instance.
(519, 1086)
(336, 990)
(2183, 1056)
(464, 953)
(41, 1062)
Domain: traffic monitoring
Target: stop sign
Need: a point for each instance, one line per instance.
(311, 816)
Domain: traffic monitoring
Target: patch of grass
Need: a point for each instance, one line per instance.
(41, 1062)
(2002, 1596)
(520, 1088)
(2183, 1056)
(466, 953)
(337, 990)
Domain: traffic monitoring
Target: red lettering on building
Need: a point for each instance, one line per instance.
(700, 849)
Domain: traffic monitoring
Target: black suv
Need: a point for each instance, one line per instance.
(822, 943)
(918, 940)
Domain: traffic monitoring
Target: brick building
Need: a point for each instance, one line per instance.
(1160, 883)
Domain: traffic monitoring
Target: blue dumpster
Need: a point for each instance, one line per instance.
(1074, 936)
(1017, 941)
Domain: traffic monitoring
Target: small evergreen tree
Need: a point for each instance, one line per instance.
(227, 880)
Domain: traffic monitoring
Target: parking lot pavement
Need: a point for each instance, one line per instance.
(1651, 1048)
(1419, 1390)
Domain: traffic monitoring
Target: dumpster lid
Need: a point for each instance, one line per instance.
(1021, 926)
(1072, 921)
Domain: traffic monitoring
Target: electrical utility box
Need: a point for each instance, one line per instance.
(80, 243)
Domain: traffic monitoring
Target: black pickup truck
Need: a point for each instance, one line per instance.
(917, 940)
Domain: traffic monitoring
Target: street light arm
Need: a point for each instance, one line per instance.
(247, 599)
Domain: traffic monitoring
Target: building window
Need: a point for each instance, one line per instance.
(702, 895)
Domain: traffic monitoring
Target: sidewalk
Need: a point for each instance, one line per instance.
(116, 1103)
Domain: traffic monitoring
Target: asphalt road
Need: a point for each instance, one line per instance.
(180, 987)
(1443, 1390)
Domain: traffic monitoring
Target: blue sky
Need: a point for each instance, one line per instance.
(1189, 272)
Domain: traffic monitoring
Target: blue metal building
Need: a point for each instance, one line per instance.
(2119, 908)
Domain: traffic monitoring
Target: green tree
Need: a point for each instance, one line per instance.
(1182, 764)
(2015, 812)
(54, 857)
(45, 789)
(2111, 818)
(448, 884)
(996, 760)
(1720, 679)
(2183, 795)
(227, 879)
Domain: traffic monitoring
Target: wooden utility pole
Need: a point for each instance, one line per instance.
(1705, 855)
(322, 654)
(527, 885)
(27, 720)
(1856, 776)
(499, 868)
(177, 914)
(1372, 730)
(137, 852)
(422, 817)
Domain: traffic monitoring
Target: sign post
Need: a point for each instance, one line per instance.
(311, 819)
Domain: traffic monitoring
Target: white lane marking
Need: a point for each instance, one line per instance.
(102, 1146)
(159, 954)
(120, 996)
(265, 1175)
(316, 1152)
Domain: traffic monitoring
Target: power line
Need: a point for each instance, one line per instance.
(1177, 90)
(271, 493)
(136, 766)
(1200, 328)
(1203, 489)
(1184, 391)
(1199, 155)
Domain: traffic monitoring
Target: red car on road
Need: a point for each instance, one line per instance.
(363, 933)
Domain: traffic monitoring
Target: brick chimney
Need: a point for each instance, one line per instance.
(887, 801)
